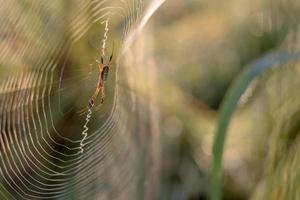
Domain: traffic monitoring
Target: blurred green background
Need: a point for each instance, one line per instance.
(201, 47)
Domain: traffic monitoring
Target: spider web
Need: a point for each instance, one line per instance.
(47, 75)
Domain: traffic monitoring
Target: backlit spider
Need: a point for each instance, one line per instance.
(103, 75)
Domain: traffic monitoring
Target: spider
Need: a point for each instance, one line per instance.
(103, 75)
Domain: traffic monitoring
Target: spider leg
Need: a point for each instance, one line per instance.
(112, 54)
(102, 94)
(100, 70)
(92, 100)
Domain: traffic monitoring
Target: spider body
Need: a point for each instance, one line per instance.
(103, 76)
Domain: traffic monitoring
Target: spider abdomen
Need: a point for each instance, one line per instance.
(104, 74)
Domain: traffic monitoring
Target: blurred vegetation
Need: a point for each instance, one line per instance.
(196, 50)
(201, 47)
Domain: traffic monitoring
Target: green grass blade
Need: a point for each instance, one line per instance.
(229, 105)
